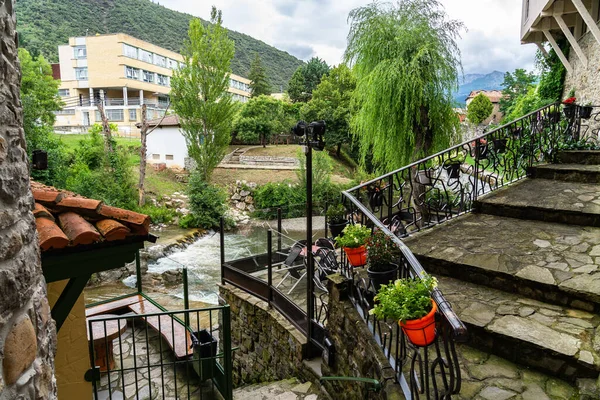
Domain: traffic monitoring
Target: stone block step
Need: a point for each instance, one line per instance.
(579, 157)
(545, 200)
(486, 376)
(556, 340)
(290, 389)
(566, 172)
(554, 263)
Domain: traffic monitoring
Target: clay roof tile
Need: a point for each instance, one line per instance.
(79, 203)
(141, 221)
(112, 230)
(77, 229)
(50, 235)
(41, 212)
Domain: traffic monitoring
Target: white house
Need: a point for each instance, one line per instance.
(166, 143)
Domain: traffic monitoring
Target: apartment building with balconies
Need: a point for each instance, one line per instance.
(124, 73)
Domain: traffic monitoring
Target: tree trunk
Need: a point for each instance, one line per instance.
(338, 151)
(144, 136)
(105, 127)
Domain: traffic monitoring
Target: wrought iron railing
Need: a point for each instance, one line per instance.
(429, 192)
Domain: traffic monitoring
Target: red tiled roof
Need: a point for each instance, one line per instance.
(66, 219)
(493, 95)
(169, 120)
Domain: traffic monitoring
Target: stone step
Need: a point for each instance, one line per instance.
(556, 340)
(566, 172)
(545, 200)
(579, 157)
(290, 389)
(554, 263)
(486, 376)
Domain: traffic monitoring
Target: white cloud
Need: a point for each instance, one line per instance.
(307, 28)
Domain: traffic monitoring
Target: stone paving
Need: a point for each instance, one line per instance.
(561, 340)
(566, 257)
(141, 364)
(549, 195)
(290, 389)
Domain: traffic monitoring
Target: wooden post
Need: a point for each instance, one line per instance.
(105, 127)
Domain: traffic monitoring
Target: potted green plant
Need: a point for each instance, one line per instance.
(585, 111)
(452, 165)
(441, 200)
(336, 219)
(409, 302)
(353, 242)
(569, 104)
(479, 148)
(381, 254)
(499, 144)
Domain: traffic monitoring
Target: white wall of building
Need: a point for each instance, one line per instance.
(65, 55)
(167, 141)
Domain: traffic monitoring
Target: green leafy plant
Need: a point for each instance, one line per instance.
(336, 214)
(405, 299)
(381, 252)
(355, 235)
(158, 215)
(208, 203)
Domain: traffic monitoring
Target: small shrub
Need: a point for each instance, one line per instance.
(355, 235)
(158, 215)
(269, 197)
(208, 203)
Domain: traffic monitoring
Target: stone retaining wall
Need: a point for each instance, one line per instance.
(270, 348)
(357, 353)
(27, 332)
(269, 161)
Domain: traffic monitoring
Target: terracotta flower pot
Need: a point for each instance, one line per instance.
(357, 256)
(421, 332)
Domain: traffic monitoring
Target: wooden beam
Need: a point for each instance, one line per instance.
(571, 39)
(587, 18)
(68, 298)
(558, 51)
(542, 50)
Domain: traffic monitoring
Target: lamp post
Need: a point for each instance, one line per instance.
(313, 138)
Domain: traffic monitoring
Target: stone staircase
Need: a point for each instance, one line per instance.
(523, 271)
(290, 389)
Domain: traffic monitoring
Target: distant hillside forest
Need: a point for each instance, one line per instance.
(43, 25)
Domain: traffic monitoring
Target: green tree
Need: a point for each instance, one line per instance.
(406, 63)
(39, 95)
(259, 82)
(515, 85)
(199, 92)
(480, 108)
(306, 78)
(553, 73)
(331, 102)
(260, 118)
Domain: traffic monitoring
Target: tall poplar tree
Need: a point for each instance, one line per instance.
(258, 76)
(199, 92)
(406, 62)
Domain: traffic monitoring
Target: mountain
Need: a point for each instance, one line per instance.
(470, 82)
(43, 25)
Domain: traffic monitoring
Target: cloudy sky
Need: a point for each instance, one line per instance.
(307, 28)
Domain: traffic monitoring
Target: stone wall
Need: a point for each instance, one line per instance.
(269, 347)
(357, 353)
(270, 161)
(27, 332)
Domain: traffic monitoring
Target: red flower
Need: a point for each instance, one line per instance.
(570, 100)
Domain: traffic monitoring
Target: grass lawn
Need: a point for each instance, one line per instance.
(224, 177)
(281, 150)
(71, 141)
(161, 183)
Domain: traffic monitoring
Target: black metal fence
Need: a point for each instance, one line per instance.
(447, 184)
(432, 191)
(156, 355)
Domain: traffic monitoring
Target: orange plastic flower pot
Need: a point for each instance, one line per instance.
(356, 256)
(421, 332)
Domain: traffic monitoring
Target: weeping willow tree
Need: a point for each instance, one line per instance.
(406, 62)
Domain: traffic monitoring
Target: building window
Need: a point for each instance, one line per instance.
(130, 51)
(65, 111)
(145, 56)
(132, 73)
(173, 64)
(111, 115)
(156, 156)
(132, 115)
(63, 92)
(160, 61)
(169, 157)
(148, 76)
(81, 74)
(80, 52)
(163, 80)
